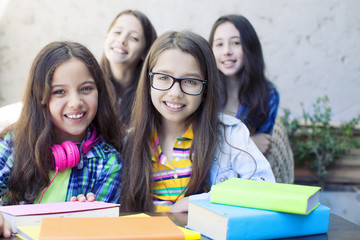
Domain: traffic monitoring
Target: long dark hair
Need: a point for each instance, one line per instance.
(254, 90)
(33, 131)
(128, 94)
(137, 185)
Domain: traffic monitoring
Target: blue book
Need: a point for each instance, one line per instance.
(220, 221)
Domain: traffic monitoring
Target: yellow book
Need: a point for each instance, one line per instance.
(29, 232)
(190, 234)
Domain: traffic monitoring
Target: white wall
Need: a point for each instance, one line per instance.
(311, 47)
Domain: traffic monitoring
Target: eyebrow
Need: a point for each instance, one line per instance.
(83, 83)
(121, 28)
(219, 39)
(188, 75)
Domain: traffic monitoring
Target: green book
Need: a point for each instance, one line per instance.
(281, 197)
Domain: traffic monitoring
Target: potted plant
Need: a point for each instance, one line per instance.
(317, 144)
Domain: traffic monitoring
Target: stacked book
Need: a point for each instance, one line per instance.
(88, 220)
(247, 209)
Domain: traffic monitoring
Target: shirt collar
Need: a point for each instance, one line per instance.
(188, 135)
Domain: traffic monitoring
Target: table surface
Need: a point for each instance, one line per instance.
(339, 228)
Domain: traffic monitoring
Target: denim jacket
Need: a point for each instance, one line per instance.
(230, 162)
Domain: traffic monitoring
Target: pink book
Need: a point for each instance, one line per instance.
(32, 214)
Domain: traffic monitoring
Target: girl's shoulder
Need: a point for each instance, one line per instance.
(6, 150)
(273, 92)
(7, 138)
(229, 120)
(103, 147)
(232, 125)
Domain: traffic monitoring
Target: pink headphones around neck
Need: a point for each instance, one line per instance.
(68, 155)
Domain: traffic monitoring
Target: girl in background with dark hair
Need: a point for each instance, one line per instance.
(246, 94)
(179, 144)
(66, 142)
(126, 44)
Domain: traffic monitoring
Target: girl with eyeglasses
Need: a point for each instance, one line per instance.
(179, 144)
(247, 94)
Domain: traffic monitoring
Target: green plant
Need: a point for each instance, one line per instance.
(315, 142)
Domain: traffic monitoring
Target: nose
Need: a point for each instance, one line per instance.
(175, 90)
(122, 39)
(227, 49)
(75, 101)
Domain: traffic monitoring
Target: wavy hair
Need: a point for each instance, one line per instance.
(254, 91)
(34, 129)
(128, 94)
(137, 185)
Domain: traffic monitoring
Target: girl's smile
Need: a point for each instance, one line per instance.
(119, 50)
(75, 115)
(174, 106)
(228, 63)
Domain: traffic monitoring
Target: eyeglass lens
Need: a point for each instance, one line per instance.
(165, 82)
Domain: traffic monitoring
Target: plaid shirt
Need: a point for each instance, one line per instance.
(98, 171)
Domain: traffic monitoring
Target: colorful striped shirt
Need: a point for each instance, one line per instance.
(171, 177)
(98, 171)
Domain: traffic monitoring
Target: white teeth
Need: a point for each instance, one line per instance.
(228, 62)
(119, 50)
(174, 105)
(75, 116)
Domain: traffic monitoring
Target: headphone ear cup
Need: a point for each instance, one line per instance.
(59, 157)
(72, 153)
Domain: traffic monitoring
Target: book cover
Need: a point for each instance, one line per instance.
(28, 232)
(220, 221)
(282, 197)
(157, 227)
(189, 234)
(32, 214)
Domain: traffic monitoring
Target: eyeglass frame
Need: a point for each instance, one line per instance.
(204, 82)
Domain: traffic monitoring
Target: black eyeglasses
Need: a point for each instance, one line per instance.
(163, 82)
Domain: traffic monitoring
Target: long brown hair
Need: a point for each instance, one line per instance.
(254, 91)
(137, 185)
(128, 94)
(33, 131)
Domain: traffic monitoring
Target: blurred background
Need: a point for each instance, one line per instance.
(311, 47)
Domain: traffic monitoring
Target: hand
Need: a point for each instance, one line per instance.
(5, 228)
(90, 197)
(182, 205)
(262, 141)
